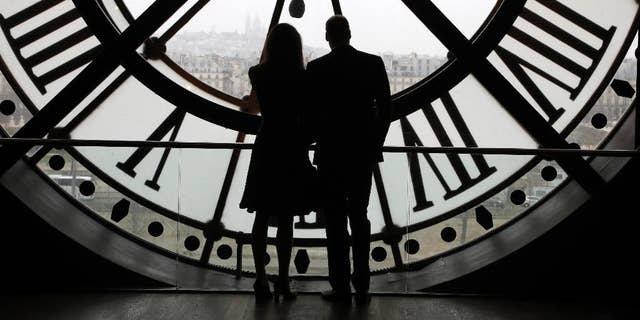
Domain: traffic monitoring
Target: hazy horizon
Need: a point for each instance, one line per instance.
(381, 26)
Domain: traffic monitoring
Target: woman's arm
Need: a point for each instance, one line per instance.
(250, 103)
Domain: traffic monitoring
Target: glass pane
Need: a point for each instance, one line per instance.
(137, 7)
(468, 116)
(611, 107)
(221, 42)
(562, 81)
(120, 212)
(386, 28)
(427, 240)
(13, 113)
(142, 171)
(44, 46)
(467, 15)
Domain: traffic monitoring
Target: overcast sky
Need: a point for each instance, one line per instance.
(377, 25)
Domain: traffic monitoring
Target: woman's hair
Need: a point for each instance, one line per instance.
(283, 47)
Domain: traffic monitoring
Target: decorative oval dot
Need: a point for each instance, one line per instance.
(7, 107)
(599, 121)
(549, 173)
(155, 229)
(56, 162)
(87, 188)
(267, 259)
(412, 246)
(518, 197)
(379, 254)
(224, 252)
(448, 234)
(192, 243)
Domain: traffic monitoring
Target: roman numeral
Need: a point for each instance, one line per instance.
(54, 23)
(171, 123)
(411, 138)
(517, 64)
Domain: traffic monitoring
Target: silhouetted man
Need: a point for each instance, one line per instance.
(352, 114)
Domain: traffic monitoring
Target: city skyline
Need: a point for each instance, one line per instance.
(379, 26)
(222, 59)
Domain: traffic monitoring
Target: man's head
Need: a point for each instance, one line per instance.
(338, 32)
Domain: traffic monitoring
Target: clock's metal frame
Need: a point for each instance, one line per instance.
(132, 253)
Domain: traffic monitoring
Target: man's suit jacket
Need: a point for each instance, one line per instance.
(350, 107)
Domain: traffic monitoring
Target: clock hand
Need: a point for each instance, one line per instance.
(514, 103)
(95, 103)
(277, 11)
(213, 227)
(392, 234)
(89, 78)
(336, 6)
(188, 101)
(156, 48)
(167, 89)
(182, 21)
(501, 22)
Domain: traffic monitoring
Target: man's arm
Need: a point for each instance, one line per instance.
(383, 100)
(311, 113)
(311, 107)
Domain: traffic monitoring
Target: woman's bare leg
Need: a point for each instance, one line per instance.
(259, 245)
(284, 244)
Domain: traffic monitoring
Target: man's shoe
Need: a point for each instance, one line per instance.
(336, 296)
(362, 298)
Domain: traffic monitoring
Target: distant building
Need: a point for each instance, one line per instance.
(407, 70)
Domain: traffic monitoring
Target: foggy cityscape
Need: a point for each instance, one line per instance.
(222, 59)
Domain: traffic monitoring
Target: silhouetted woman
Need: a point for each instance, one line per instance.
(280, 180)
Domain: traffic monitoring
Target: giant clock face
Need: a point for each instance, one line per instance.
(517, 74)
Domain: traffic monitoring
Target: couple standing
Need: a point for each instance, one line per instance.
(341, 102)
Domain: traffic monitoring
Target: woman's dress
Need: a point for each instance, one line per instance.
(281, 180)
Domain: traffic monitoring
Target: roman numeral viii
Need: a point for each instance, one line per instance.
(171, 123)
(575, 40)
(49, 22)
(443, 175)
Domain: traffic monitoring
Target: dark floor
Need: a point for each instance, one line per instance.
(173, 305)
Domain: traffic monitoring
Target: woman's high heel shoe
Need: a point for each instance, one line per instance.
(280, 287)
(261, 291)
